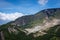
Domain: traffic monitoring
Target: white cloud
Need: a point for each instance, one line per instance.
(42, 2)
(10, 16)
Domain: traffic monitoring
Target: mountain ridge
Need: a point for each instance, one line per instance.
(45, 23)
(38, 16)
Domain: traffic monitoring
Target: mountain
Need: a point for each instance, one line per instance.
(44, 25)
(38, 16)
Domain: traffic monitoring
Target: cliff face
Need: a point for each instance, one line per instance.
(42, 25)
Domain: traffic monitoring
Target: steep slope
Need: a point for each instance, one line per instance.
(45, 25)
(38, 18)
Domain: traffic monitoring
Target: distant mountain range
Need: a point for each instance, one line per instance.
(44, 25)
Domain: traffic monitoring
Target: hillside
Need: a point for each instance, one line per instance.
(44, 25)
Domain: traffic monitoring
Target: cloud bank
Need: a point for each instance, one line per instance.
(42, 2)
(10, 16)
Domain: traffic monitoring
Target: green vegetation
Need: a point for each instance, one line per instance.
(52, 34)
(30, 21)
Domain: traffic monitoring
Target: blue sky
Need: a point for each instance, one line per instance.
(27, 6)
(18, 8)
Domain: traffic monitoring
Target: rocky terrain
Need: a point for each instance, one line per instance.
(44, 25)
